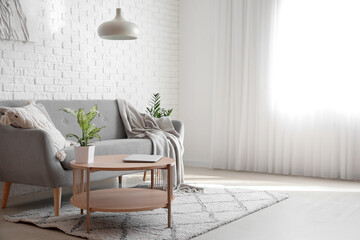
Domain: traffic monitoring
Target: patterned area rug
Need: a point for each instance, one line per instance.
(192, 214)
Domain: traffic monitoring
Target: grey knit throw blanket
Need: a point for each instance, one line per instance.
(165, 140)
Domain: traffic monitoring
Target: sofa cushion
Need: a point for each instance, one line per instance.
(113, 147)
(32, 116)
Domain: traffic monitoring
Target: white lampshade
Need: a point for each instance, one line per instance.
(118, 29)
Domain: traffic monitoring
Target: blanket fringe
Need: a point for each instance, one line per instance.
(186, 188)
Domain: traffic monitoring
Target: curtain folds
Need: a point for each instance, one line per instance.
(266, 115)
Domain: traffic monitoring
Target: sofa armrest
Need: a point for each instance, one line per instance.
(179, 127)
(27, 157)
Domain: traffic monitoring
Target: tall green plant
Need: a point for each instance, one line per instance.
(155, 109)
(88, 129)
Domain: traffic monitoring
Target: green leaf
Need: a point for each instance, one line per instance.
(166, 112)
(92, 114)
(149, 110)
(90, 128)
(96, 130)
(97, 136)
(82, 120)
(72, 135)
(69, 110)
(157, 110)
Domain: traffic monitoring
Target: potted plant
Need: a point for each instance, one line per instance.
(155, 110)
(85, 152)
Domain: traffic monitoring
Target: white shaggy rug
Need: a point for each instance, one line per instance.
(192, 214)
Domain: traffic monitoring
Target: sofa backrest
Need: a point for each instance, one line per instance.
(66, 123)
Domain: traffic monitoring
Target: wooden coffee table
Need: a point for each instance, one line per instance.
(121, 199)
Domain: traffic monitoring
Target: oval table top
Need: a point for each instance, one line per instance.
(116, 163)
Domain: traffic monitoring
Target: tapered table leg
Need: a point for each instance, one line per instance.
(169, 192)
(82, 186)
(152, 178)
(88, 201)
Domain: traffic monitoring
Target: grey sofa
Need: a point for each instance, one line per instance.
(26, 155)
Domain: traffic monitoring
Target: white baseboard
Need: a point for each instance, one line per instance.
(196, 164)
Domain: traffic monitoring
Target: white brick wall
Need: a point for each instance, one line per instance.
(69, 61)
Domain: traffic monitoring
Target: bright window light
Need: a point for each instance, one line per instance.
(317, 58)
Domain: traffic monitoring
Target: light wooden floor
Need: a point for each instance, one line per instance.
(316, 208)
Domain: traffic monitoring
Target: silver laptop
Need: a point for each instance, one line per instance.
(142, 158)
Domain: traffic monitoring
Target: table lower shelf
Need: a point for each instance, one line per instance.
(122, 200)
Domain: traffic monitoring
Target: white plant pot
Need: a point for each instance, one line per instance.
(84, 154)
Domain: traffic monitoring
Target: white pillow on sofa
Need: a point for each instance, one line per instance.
(30, 117)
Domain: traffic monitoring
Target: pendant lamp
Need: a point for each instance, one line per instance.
(118, 29)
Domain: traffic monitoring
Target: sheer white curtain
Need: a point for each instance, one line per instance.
(287, 87)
